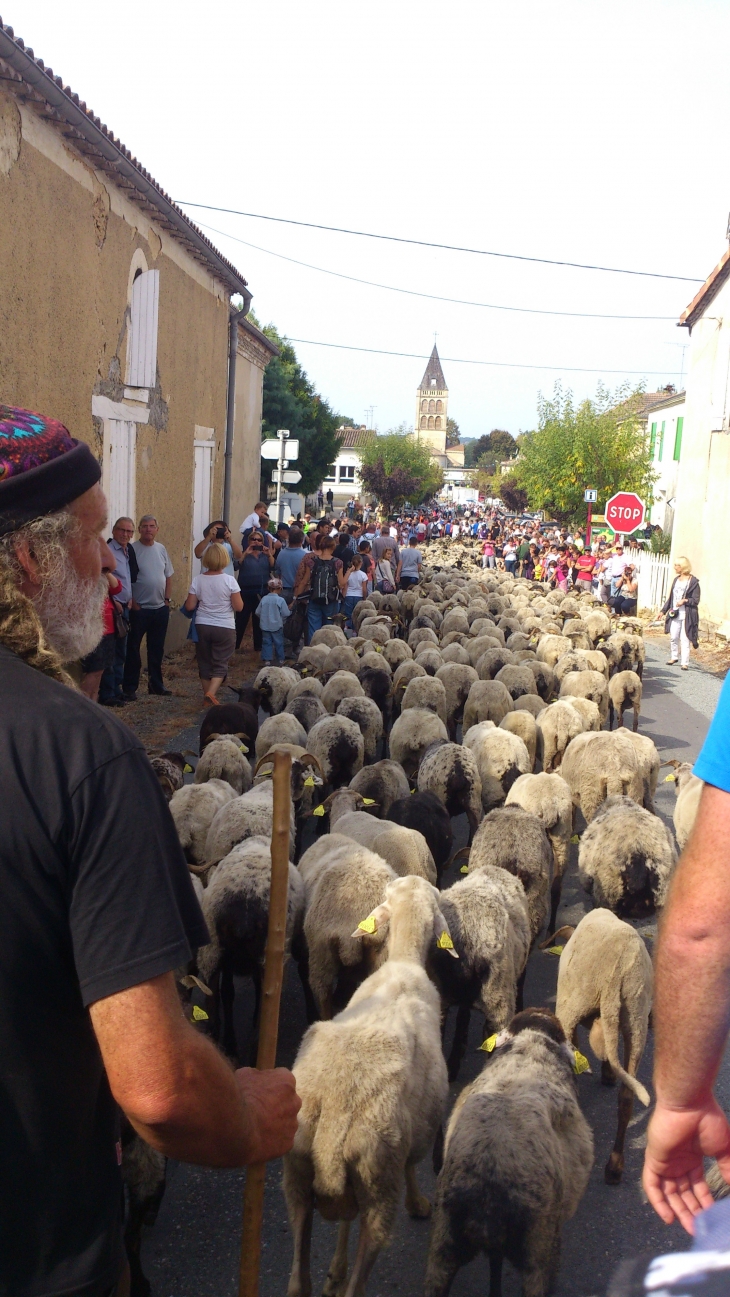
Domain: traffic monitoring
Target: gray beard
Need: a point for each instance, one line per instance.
(70, 611)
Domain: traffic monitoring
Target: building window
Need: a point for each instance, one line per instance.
(347, 472)
(330, 477)
(430, 421)
(439, 406)
(424, 404)
(142, 337)
(661, 443)
(438, 420)
(678, 437)
(431, 407)
(652, 441)
(424, 420)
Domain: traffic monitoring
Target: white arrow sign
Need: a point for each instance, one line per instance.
(290, 478)
(271, 449)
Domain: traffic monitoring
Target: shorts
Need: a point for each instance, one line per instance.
(101, 657)
(213, 650)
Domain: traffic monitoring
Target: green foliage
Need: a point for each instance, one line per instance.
(600, 443)
(660, 542)
(395, 468)
(291, 401)
(492, 448)
(453, 436)
(514, 496)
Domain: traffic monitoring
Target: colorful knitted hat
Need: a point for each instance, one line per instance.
(42, 467)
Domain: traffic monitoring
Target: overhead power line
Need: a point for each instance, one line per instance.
(432, 297)
(496, 364)
(444, 247)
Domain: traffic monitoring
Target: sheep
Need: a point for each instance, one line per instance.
(481, 644)
(649, 763)
(248, 816)
(557, 726)
(545, 679)
(428, 693)
(501, 758)
(575, 660)
(488, 700)
(588, 712)
(331, 636)
(518, 680)
(383, 783)
(343, 684)
(194, 808)
(587, 684)
(624, 690)
(280, 728)
(307, 709)
(688, 788)
(405, 850)
(597, 766)
(522, 724)
(430, 659)
(490, 927)
(224, 759)
(455, 653)
(341, 658)
(339, 747)
(362, 1129)
(402, 675)
(552, 647)
(514, 839)
(236, 909)
(426, 812)
(170, 771)
(422, 635)
(598, 624)
(411, 734)
(626, 858)
(630, 649)
(519, 1117)
(531, 703)
(274, 684)
(450, 772)
(548, 797)
(229, 718)
(306, 687)
(457, 680)
(605, 983)
(366, 714)
(397, 651)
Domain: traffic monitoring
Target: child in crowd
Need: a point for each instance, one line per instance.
(353, 586)
(272, 612)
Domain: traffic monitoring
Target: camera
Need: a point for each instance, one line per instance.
(220, 533)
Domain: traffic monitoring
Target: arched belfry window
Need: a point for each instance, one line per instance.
(439, 406)
(431, 407)
(430, 421)
(424, 421)
(438, 420)
(424, 404)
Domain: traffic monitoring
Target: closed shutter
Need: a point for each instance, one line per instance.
(142, 343)
(678, 437)
(661, 443)
(120, 468)
(652, 441)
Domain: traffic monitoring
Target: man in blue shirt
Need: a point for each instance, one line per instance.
(287, 562)
(692, 999)
(110, 689)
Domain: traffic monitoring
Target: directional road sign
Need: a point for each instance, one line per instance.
(271, 449)
(625, 512)
(290, 478)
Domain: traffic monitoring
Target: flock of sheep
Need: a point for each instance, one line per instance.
(474, 694)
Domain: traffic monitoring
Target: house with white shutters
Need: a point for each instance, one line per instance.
(343, 477)
(665, 430)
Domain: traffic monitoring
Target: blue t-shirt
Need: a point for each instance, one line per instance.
(287, 565)
(713, 763)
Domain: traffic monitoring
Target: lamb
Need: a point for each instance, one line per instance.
(518, 1117)
(426, 692)
(367, 716)
(427, 813)
(597, 766)
(237, 719)
(236, 909)
(343, 684)
(522, 724)
(490, 927)
(457, 681)
(688, 788)
(488, 700)
(624, 690)
(363, 1129)
(626, 859)
(605, 983)
(587, 684)
(405, 850)
(501, 758)
(383, 783)
(339, 747)
(194, 808)
(224, 758)
(274, 684)
(548, 797)
(450, 772)
(411, 734)
(513, 839)
(307, 709)
(557, 726)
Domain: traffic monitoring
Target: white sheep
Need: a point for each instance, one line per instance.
(451, 773)
(274, 684)
(557, 726)
(307, 709)
(597, 766)
(280, 728)
(488, 700)
(688, 788)
(248, 816)
(411, 734)
(523, 724)
(457, 680)
(513, 839)
(194, 808)
(587, 684)
(339, 747)
(363, 1128)
(343, 684)
(367, 716)
(626, 858)
(552, 647)
(428, 693)
(501, 758)
(548, 797)
(224, 758)
(588, 712)
(605, 983)
(624, 690)
(405, 850)
(649, 763)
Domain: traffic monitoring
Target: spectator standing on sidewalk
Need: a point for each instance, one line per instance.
(254, 571)
(682, 616)
(219, 533)
(272, 612)
(150, 611)
(287, 563)
(214, 593)
(110, 689)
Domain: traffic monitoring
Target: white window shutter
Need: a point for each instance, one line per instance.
(142, 344)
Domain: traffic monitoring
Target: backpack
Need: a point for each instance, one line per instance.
(323, 586)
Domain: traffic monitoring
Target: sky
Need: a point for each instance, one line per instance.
(584, 132)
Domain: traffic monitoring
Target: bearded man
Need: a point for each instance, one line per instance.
(96, 910)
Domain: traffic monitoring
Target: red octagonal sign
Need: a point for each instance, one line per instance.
(625, 512)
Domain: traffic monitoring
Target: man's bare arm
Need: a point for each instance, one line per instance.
(179, 1092)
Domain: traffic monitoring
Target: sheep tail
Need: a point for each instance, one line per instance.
(610, 1013)
(330, 1171)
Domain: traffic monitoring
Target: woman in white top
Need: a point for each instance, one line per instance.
(353, 587)
(384, 572)
(216, 597)
(219, 531)
(682, 616)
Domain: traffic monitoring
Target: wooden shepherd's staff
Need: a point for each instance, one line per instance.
(253, 1197)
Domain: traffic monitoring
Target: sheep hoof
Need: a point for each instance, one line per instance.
(418, 1208)
(613, 1169)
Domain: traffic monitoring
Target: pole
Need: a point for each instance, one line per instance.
(588, 528)
(253, 1197)
(282, 445)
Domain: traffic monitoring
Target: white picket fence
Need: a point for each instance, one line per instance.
(654, 579)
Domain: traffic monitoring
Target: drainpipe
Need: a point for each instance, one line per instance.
(231, 401)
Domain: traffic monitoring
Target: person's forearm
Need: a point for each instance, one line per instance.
(168, 586)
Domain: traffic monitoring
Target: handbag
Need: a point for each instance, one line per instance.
(384, 585)
(121, 629)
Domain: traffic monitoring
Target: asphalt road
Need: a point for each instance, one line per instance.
(193, 1249)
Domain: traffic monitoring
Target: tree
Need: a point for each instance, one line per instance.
(291, 401)
(495, 446)
(600, 443)
(396, 467)
(513, 495)
(453, 436)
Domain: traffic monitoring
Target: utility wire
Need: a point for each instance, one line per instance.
(432, 297)
(446, 247)
(497, 364)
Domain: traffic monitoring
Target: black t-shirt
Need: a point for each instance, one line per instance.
(95, 897)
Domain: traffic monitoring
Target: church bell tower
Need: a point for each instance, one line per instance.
(432, 401)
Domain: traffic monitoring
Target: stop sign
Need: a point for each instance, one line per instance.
(625, 512)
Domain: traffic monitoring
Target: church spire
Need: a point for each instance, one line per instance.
(434, 375)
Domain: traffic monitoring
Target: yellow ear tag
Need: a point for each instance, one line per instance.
(580, 1062)
(243, 747)
(187, 770)
(669, 779)
(199, 1015)
(555, 950)
(304, 670)
(575, 838)
(488, 1044)
(444, 942)
(318, 810)
(378, 648)
(368, 924)
(412, 791)
(309, 782)
(368, 801)
(464, 869)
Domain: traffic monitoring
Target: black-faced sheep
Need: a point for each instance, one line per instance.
(450, 772)
(511, 838)
(626, 858)
(427, 813)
